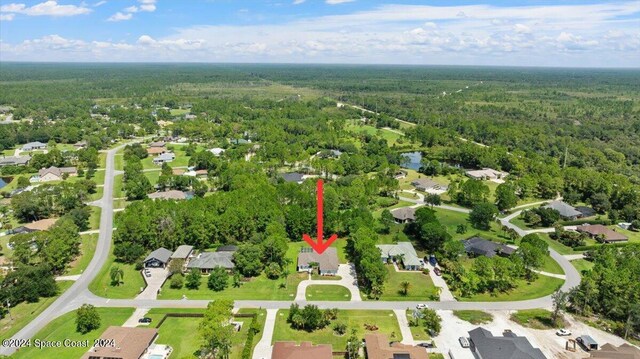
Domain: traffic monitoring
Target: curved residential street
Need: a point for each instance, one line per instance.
(79, 293)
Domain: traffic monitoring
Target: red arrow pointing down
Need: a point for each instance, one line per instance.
(319, 245)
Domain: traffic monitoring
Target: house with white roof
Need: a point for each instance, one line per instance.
(402, 252)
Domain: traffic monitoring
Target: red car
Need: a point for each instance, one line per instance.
(437, 271)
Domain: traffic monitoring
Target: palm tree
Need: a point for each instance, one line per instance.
(404, 287)
(117, 275)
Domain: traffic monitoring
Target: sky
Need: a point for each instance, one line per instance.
(567, 33)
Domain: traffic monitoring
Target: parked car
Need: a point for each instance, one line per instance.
(147, 273)
(563, 332)
(432, 260)
(145, 320)
(464, 342)
(437, 271)
(422, 306)
(426, 345)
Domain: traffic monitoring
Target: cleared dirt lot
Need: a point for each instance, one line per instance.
(550, 344)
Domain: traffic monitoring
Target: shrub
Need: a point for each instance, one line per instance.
(177, 281)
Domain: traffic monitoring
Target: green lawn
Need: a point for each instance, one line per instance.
(64, 327)
(327, 292)
(551, 266)
(23, 313)
(118, 161)
(94, 220)
(153, 176)
(582, 265)
(118, 192)
(534, 318)
(421, 287)
(418, 332)
(181, 160)
(474, 316)
(132, 281)
(557, 246)
(182, 333)
(385, 320)
(391, 137)
(178, 112)
(99, 176)
(325, 277)
(451, 220)
(541, 287)
(87, 249)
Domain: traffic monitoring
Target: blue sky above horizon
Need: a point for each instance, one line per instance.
(493, 32)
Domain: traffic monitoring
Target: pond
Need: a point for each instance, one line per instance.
(412, 160)
(2, 183)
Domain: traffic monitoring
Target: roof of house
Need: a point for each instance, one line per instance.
(486, 248)
(509, 346)
(292, 177)
(227, 248)
(178, 171)
(424, 182)
(404, 213)
(598, 229)
(157, 144)
(610, 351)
(566, 210)
(171, 194)
(14, 160)
(210, 260)
(82, 143)
(182, 252)
(586, 211)
(217, 151)
(161, 254)
(57, 171)
(378, 347)
(306, 350)
(156, 150)
(131, 343)
(34, 144)
(41, 225)
(403, 249)
(486, 172)
(165, 157)
(327, 261)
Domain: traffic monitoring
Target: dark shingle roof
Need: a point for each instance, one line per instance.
(292, 177)
(210, 260)
(507, 347)
(161, 254)
(483, 247)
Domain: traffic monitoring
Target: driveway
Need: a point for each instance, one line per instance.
(453, 328)
(347, 280)
(407, 337)
(438, 281)
(154, 282)
(263, 348)
(132, 322)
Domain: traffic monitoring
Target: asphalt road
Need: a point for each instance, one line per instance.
(79, 293)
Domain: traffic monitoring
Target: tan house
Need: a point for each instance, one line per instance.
(327, 261)
(169, 195)
(306, 350)
(598, 231)
(487, 174)
(56, 173)
(378, 347)
(156, 150)
(129, 343)
(41, 225)
(610, 351)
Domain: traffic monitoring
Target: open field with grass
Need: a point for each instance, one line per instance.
(420, 286)
(23, 313)
(541, 287)
(87, 249)
(474, 316)
(94, 220)
(535, 318)
(131, 284)
(384, 319)
(451, 220)
(118, 184)
(64, 327)
(418, 332)
(557, 246)
(327, 292)
(551, 266)
(582, 265)
(392, 137)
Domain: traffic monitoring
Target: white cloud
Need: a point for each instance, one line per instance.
(521, 29)
(99, 3)
(47, 8)
(7, 17)
(147, 5)
(298, 2)
(131, 9)
(336, 2)
(120, 17)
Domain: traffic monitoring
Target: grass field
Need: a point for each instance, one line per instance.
(451, 220)
(23, 313)
(87, 249)
(474, 316)
(418, 332)
(534, 318)
(118, 192)
(118, 161)
(132, 281)
(64, 327)
(94, 220)
(327, 292)
(421, 287)
(582, 265)
(541, 287)
(153, 176)
(551, 266)
(391, 137)
(385, 320)
(557, 246)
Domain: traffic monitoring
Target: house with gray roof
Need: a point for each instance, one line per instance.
(183, 252)
(14, 161)
(164, 158)
(207, 261)
(32, 146)
(424, 184)
(327, 261)
(293, 177)
(402, 252)
(485, 345)
(404, 215)
(477, 246)
(566, 210)
(158, 258)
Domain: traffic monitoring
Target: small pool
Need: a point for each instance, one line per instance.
(156, 356)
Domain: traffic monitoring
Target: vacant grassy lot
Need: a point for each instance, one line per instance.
(385, 320)
(582, 265)
(557, 246)
(131, 283)
(94, 220)
(23, 313)
(541, 287)
(451, 220)
(64, 327)
(327, 292)
(420, 286)
(391, 136)
(535, 318)
(87, 249)
(474, 316)
(551, 266)
(417, 332)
